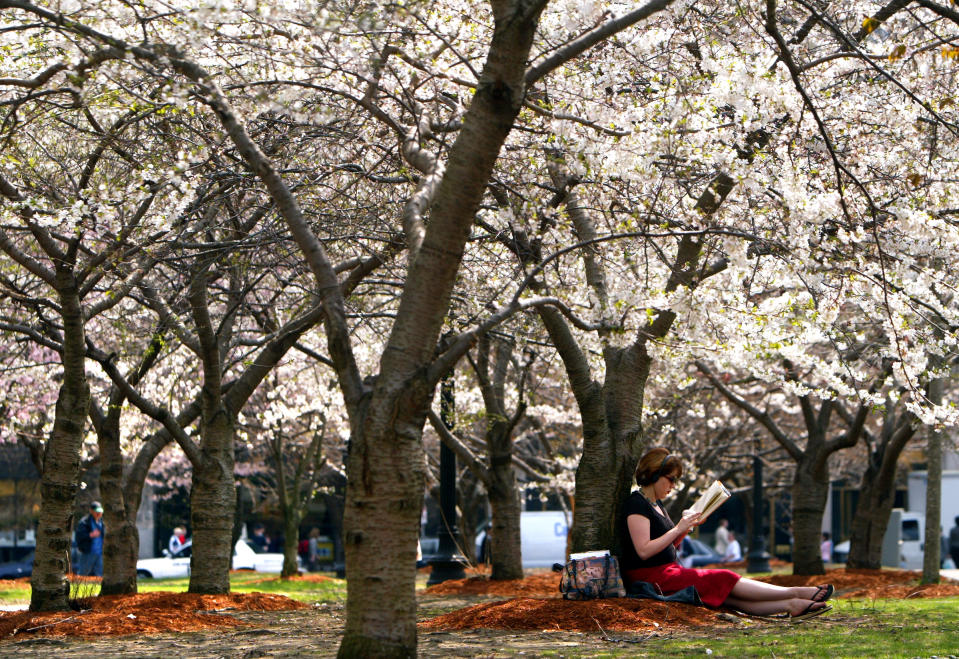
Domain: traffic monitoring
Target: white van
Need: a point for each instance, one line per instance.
(542, 536)
(912, 537)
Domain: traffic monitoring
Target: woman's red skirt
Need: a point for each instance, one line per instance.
(713, 585)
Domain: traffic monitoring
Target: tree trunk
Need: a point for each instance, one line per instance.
(877, 492)
(381, 523)
(61, 462)
(291, 540)
(810, 491)
(505, 537)
(212, 505)
(121, 539)
(387, 476)
(930, 555)
(876, 496)
(611, 446)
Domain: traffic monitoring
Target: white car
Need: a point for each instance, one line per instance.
(177, 565)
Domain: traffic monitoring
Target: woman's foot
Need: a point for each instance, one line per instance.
(823, 592)
(800, 609)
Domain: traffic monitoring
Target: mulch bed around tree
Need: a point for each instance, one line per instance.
(567, 615)
(545, 584)
(144, 613)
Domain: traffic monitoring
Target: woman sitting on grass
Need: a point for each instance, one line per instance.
(651, 554)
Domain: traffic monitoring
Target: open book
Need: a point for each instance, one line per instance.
(710, 500)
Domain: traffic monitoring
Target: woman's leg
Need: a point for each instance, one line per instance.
(758, 591)
(794, 606)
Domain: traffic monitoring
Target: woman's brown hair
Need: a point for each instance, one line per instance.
(658, 462)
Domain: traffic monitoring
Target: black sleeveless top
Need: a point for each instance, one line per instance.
(659, 524)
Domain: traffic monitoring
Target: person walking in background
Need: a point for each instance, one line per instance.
(259, 540)
(954, 543)
(825, 548)
(313, 551)
(90, 542)
(176, 540)
(722, 537)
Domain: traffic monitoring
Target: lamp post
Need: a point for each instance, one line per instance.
(758, 559)
(448, 562)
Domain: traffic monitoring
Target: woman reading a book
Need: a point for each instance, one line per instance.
(650, 554)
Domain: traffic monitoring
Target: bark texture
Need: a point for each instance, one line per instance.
(877, 490)
(61, 461)
(506, 555)
(212, 501)
(930, 554)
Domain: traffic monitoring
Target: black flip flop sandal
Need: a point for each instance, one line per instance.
(827, 589)
(809, 612)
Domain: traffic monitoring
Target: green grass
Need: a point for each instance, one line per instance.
(333, 590)
(855, 628)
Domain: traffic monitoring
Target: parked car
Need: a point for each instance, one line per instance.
(542, 538)
(696, 553)
(177, 565)
(15, 569)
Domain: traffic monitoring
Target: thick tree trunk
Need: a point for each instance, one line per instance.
(505, 539)
(810, 492)
(876, 496)
(61, 462)
(212, 503)
(121, 539)
(877, 492)
(381, 523)
(611, 447)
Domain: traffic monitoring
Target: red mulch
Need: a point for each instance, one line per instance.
(144, 613)
(545, 584)
(567, 615)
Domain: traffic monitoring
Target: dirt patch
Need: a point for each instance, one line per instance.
(145, 613)
(566, 615)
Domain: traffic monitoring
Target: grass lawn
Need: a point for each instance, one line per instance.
(333, 590)
(855, 628)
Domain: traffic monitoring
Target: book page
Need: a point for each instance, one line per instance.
(714, 496)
